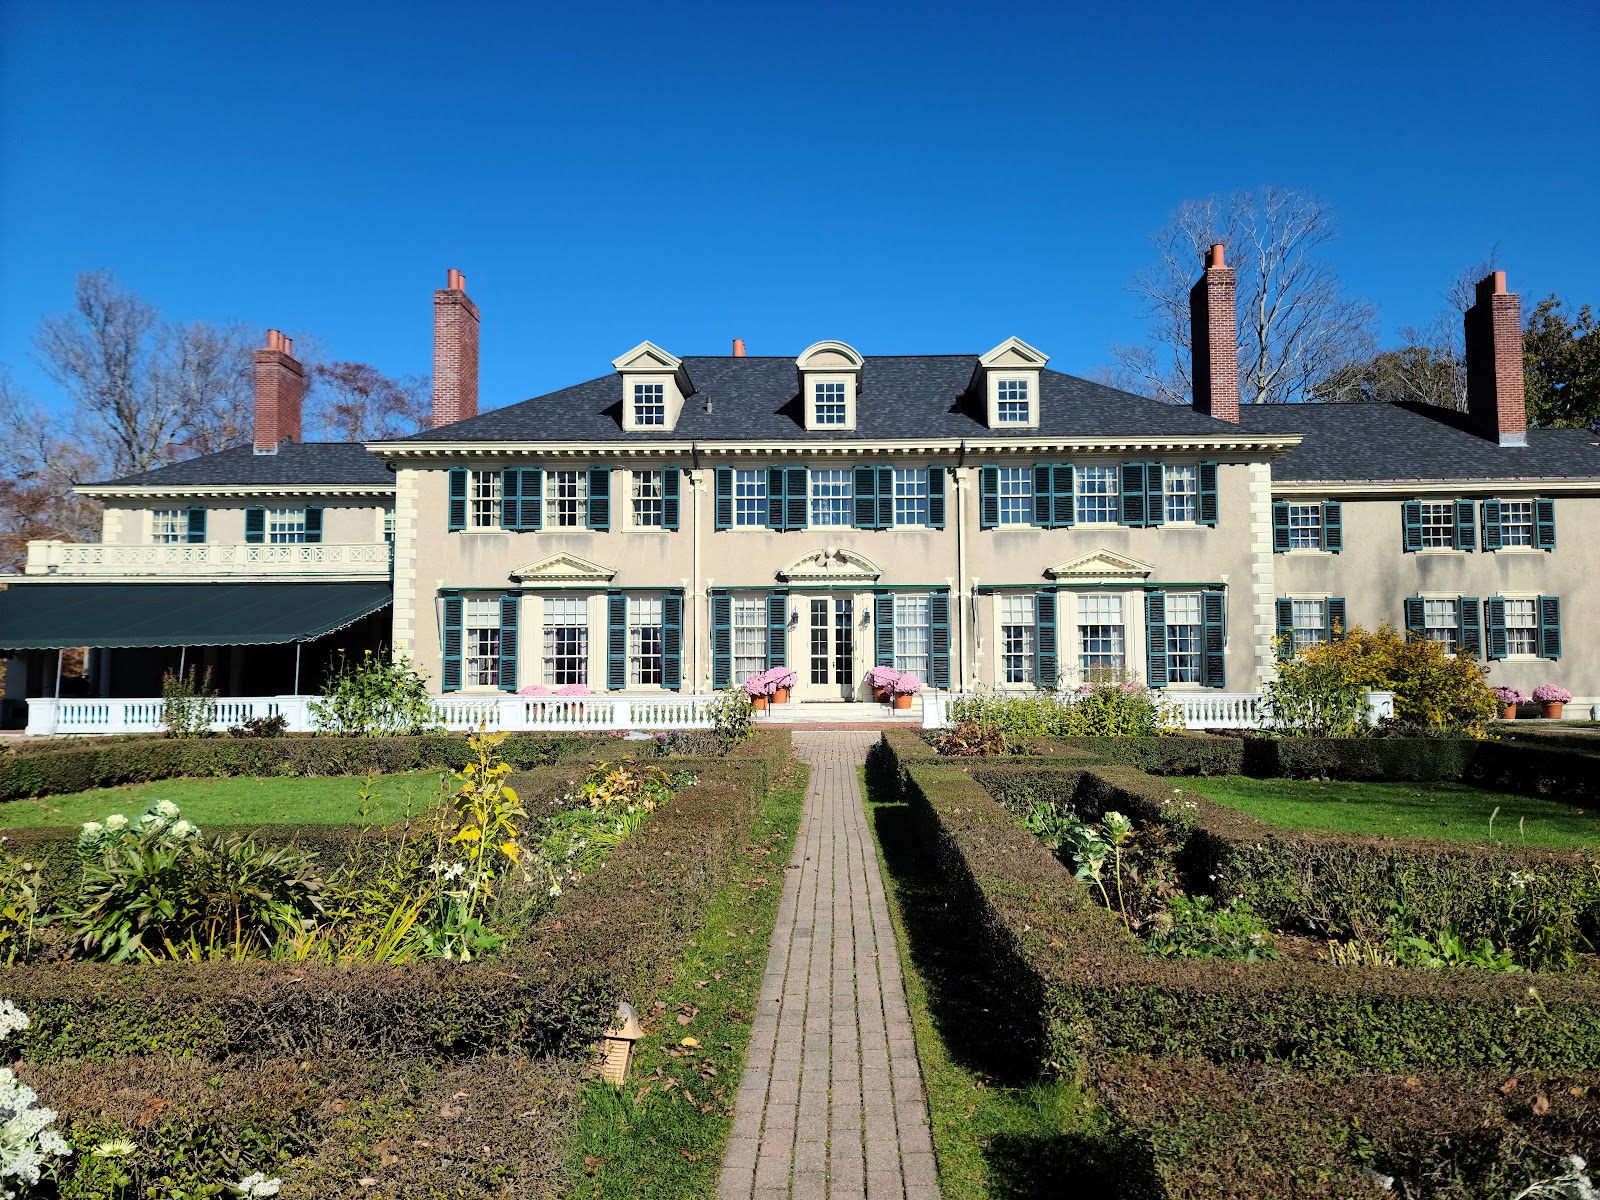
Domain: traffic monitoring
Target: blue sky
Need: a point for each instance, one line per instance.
(921, 178)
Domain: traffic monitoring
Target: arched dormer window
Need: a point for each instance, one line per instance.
(830, 378)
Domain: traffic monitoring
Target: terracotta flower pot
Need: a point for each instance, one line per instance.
(881, 695)
(1552, 710)
(1510, 713)
(760, 702)
(903, 700)
(781, 696)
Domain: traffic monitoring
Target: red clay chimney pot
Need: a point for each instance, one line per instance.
(738, 347)
(1215, 255)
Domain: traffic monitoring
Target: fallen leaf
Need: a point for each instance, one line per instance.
(1508, 1086)
(460, 1095)
(1540, 1105)
(684, 1018)
(339, 1106)
(1412, 1083)
(686, 1154)
(451, 1110)
(367, 1181)
(1575, 1091)
(690, 1041)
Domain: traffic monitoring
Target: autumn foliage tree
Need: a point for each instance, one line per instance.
(355, 402)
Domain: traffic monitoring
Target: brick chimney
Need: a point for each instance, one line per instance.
(1497, 404)
(280, 387)
(455, 353)
(1214, 339)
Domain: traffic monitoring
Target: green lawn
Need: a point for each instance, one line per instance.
(240, 800)
(1452, 811)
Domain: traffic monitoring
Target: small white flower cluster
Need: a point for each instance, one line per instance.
(161, 817)
(26, 1142)
(1519, 880)
(448, 871)
(1572, 1184)
(257, 1185)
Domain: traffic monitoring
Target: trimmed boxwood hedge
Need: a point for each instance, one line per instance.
(547, 994)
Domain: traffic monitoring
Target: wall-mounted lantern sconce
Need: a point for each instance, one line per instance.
(616, 1044)
(866, 616)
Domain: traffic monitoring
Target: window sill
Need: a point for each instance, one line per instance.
(1518, 550)
(1305, 553)
(1439, 551)
(646, 529)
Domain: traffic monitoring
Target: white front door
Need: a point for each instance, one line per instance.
(827, 668)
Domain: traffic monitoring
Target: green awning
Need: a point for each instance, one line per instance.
(48, 616)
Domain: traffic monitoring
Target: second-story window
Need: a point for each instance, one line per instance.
(831, 405)
(831, 493)
(1180, 486)
(649, 404)
(1439, 526)
(647, 499)
(168, 526)
(1097, 496)
(286, 526)
(1305, 527)
(911, 496)
(1016, 496)
(1011, 401)
(566, 498)
(1516, 522)
(750, 498)
(388, 525)
(483, 495)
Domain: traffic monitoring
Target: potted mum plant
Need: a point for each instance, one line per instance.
(782, 679)
(903, 688)
(1551, 698)
(879, 679)
(759, 689)
(1509, 698)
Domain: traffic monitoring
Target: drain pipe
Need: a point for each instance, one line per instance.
(958, 486)
(695, 589)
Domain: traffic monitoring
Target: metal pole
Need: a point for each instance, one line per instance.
(297, 668)
(55, 715)
(182, 653)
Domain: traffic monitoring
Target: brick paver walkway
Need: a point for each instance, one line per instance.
(831, 1102)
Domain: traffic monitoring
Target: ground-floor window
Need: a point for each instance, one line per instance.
(645, 650)
(1018, 647)
(911, 640)
(749, 636)
(1522, 627)
(1441, 622)
(480, 659)
(1184, 641)
(566, 640)
(1102, 641)
(1310, 622)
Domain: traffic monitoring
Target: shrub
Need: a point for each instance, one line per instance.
(27, 1143)
(971, 739)
(261, 727)
(374, 696)
(1199, 927)
(1312, 695)
(1096, 710)
(20, 894)
(733, 717)
(188, 704)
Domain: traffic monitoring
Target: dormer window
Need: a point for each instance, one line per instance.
(830, 379)
(1009, 378)
(654, 387)
(831, 408)
(1011, 402)
(649, 404)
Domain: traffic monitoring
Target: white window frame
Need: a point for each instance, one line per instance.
(832, 504)
(1009, 392)
(1532, 601)
(1449, 526)
(1017, 628)
(750, 510)
(1116, 645)
(992, 395)
(814, 384)
(1180, 505)
(1308, 621)
(1452, 640)
(1309, 529)
(578, 502)
(646, 613)
(1529, 525)
(1191, 659)
(913, 634)
(640, 498)
(1020, 482)
(386, 525)
(286, 526)
(748, 630)
(555, 659)
(480, 643)
(1098, 506)
(483, 499)
(649, 401)
(168, 526)
(911, 497)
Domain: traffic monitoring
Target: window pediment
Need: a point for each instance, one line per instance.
(831, 565)
(1102, 566)
(564, 568)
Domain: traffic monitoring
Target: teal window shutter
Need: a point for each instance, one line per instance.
(1550, 627)
(1206, 508)
(1048, 670)
(866, 498)
(1337, 626)
(616, 641)
(883, 618)
(1416, 624)
(196, 526)
(1043, 508)
(313, 524)
(521, 498)
(532, 515)
(1133, 494)
(451, 675)
(1213, 617)
(1494, 619)
(1493, 538)
(885, 497)
(669, 499)
(777, 629)
(511, 498)
(1333, 527)
(508, 643)
(1469, 630)
(1285, 630)
(796, 498)
(1411, 524)
(776, 477)
(599, 498)
(1280, 528)
(935, 497)
(1544, 524)
(724, 498)
(939, 638)
(672, 641)
(1466, 526)
(721, 640)
(1063, 513)
(255, 524)
(1155, 496)
(458, 499)
(1155, 637)
(988, 497)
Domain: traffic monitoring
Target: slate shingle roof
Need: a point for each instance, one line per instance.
(295, 463)
(758, 399)
(1413, 441)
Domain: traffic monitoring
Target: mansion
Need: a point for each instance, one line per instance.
(981, 520)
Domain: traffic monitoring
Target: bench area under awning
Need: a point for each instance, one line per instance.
(50, 616)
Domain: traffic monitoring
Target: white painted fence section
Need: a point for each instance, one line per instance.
(1209, 710)
(512, 714)
(370, 560)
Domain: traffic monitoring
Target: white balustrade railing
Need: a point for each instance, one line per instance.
(179, 559)
(514, 714)
(1198, 710)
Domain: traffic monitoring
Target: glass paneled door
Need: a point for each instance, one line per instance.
(830, 666)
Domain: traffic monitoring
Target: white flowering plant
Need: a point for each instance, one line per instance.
(20, 898)
(28, 1146)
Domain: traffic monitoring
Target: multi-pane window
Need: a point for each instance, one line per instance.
(911, 496)
(1441, 622)
(644, 639)
(1516, 522)
(1522, 627)
(1184, 641)
(831, 404)
(1305, 527)
(749, 637)
(1018, 648)
(831, 493)
(1309, 622)
(286, 526)
(480, 643)
(566, 640)
(1101, 641)
(1011, 401)
(1097, 496)
(388, 525)
(649, 404)
(647, 499)
(911, 640)
(167, 526)
(566, 498)
(749, 497)
(1180, 486)
(1016, 496)
(1438, 526)
(483, 496)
